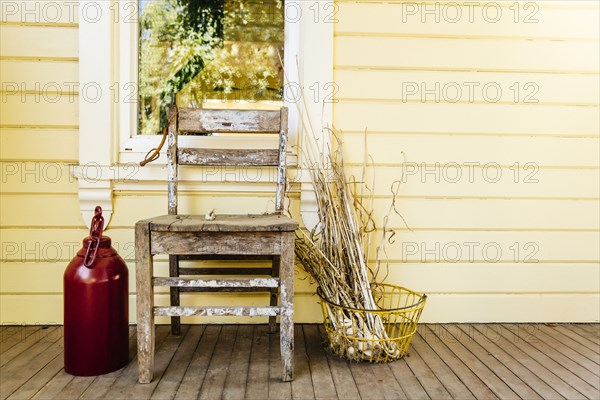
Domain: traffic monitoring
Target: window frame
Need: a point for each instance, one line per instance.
(108, 139)
(134, 146)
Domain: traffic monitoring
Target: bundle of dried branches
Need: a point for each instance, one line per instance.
(336, 251)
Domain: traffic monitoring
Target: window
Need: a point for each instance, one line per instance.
(208, 54)
(108, 128)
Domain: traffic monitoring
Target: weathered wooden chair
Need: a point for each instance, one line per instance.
(226, 237)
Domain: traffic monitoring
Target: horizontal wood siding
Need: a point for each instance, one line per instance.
(39, 143)
(491, 130)
(499, 197)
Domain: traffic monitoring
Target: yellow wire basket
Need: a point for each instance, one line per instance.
(380, 335)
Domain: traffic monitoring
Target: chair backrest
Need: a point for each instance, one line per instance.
(195, 120)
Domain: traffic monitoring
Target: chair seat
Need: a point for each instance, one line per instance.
(223, 223)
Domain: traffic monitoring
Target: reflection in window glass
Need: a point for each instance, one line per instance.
(207, 53)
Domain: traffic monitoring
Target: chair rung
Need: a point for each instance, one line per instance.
(217, 283)
(225, 271)
(209, 311)
(225, 290)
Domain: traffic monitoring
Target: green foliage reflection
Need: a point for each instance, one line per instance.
(192, 51)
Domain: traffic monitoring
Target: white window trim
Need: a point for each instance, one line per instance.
(108, 145)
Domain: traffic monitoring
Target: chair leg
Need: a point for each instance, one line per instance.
(174, 272)
(274, 292)
(145, 302)
(286, 322)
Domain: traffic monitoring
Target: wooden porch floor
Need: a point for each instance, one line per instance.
(460, 361)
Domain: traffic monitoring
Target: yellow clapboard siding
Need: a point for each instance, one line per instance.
(456, 86)
(488, 248)
(47, 309)
(197, 174)
(495, 278)
(491, 214)
(443, 277)
(41, 76)
(455, 180)
(479, 150)
(36, 245)
(375, 54)
(46, 278)
(466, 54)
(57, 246)
(42, 12)
(39, 245)
(32, 211)
(24, 144)
(512, 308)
(40, 210)
(45, 110)
(21, 246)
(130, 209)
(466, 118)
(37, 177)
(39, 41)
(530, 20)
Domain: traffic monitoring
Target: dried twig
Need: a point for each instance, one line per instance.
(335, 253)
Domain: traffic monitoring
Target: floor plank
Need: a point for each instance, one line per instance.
(555, 351)
(432, 385)
(503, 355)
(214, 380)
(451, 382)
(343, 379)
(523, 390)
(235, 383)
(366, 381)
(580, 340)
(50, 370)
(408, 382)
(588, 332)
(495, 333)
(171, 379)
(162, 358)
(29, 362)
(594, 329)
(501, 389)
(54, 386)
(75, 388)
(18, 343)
(527, 345)
(258, 372)
(194, 375)
(319, 367)
(6, 332)
(567, 338)
(587, 359)
(302, 385)
(14, 336)
(125, 382)
(466, 361)
(385, 378)
(37, 381)
(462, 371)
